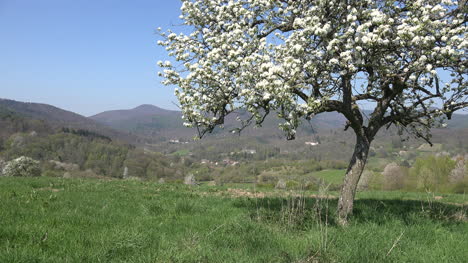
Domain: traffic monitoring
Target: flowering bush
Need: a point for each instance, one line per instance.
(22, 166)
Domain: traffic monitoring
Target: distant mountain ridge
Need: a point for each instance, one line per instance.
(145, 120)
(60, 118)
(43, 111)
(150, 121)
(138, 112)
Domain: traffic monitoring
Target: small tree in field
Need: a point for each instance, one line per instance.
(22, 166)
(406, 58)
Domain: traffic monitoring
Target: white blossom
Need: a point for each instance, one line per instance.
(232, 59)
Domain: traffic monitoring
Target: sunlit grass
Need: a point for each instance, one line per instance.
(72, 220)
(332, 176)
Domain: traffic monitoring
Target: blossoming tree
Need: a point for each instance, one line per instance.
(406, 59)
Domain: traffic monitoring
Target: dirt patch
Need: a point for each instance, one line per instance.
(244, 193)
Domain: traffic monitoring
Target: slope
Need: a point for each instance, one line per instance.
(59, 118)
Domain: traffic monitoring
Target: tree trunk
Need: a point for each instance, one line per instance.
(355, 169)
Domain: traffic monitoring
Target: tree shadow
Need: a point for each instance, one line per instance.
(407, 211)
(302, 212)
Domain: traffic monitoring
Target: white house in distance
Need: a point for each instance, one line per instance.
(312, 143)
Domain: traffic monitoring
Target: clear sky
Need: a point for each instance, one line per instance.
(85, 56)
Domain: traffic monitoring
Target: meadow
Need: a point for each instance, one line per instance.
(48, 219)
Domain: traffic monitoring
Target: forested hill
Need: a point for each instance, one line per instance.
(146, 120)
(58, 118)
(152, 121)
(67, 143)
(159, 124)
(47, 133)
(138, 112)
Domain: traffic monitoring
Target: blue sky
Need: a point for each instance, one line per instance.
(86, 56)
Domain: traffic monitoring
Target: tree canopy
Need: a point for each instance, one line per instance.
(407, 59)
(300, 58)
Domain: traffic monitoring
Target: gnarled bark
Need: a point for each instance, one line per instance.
(355, 169)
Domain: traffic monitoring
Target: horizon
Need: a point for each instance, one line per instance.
(86, 57)
(233, 131)
(88, 116)
(460, 112)
(104, 62)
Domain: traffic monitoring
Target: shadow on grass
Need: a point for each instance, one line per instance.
(301, 213)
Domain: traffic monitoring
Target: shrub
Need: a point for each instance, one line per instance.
(459, 177)
(461, 187)
(363, 183)
(52, 173)
(204, 177)
(459, 172)
(394, 177)
(267, 177)
(2, 164)
(293, 185)
(432, 173)
(281, 184)
(311, 186)
(376, 181)
(22, 166)
(190, 180)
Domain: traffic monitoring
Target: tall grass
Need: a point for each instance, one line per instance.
(74, 220)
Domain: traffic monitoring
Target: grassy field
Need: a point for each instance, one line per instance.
(332, 176)
(77, 220)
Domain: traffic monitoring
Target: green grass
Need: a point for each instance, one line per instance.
(183, 152)
(74, 220)
(333, 176)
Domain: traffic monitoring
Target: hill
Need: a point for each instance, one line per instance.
(58, 118)
(138, 112)
(146, 121)
(458, 121)
(160, 124)
(163, 127)
(68, 143)
(160, 130)
(153, 122)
